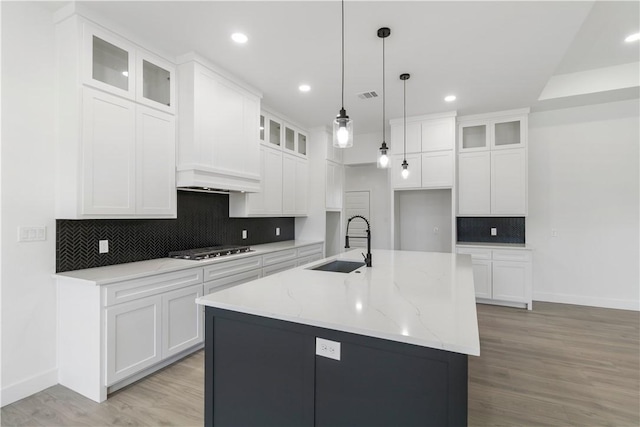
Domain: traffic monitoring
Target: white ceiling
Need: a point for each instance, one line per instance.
(492, 55)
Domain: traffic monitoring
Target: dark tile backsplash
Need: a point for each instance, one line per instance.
(478, 230)
(203, 220)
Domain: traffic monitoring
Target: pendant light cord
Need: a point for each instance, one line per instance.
(383, 97)
(404, 115)
(343, 54)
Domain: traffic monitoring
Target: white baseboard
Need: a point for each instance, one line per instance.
(22, 389)
(620, 304)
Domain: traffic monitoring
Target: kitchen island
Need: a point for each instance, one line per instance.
(393, 341)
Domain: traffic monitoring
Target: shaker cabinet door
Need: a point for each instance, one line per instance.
(108, 154)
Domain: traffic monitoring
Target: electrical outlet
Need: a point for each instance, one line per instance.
(326, 348)
(494, 231)
(277, 231)
(554, 232)
(103, 246)
(244, 234)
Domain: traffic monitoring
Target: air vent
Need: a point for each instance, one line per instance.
(368, 95)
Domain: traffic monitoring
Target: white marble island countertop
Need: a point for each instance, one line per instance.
(421, 298)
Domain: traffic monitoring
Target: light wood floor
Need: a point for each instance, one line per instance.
(559, 365)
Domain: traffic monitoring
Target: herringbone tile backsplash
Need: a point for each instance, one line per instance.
(203, 220)
(478, 230)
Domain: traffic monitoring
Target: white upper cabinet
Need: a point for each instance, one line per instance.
(474, 183)
(108, 154)
(116, 150)
(155, 162)
(283, 171)
(492, 164)
(430, 151)
(112, 64)
(109, 62)
(219, 132)
(495, 131)
(414, 138)
(155, 82)
(508, 182)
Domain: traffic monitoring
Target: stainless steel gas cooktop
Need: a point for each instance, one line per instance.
(210, 252)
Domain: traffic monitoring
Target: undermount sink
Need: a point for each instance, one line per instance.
(338, 266)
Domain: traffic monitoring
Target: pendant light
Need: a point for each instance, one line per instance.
(383, 158)
(342, 125)
(405, 171)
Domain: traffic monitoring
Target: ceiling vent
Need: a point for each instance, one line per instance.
(368, 95)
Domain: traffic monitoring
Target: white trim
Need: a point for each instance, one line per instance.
(621, 304)
(27, 387)
(494, 115)
(422, 118)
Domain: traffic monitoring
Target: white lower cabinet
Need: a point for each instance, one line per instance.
(501, 275)
(133, 337)
(181, 320)
(114, 334)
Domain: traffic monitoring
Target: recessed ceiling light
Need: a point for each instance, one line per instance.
(125, 73)
(633, 38)
(304, 88)
(450, 98)
(239, 38)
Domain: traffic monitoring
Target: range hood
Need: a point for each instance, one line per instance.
(215, 180)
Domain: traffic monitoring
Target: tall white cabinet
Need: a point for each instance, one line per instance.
(116, 126)
(492, 164)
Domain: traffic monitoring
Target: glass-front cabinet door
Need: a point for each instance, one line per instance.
(109, 62)
(302, 144)
(289, 139)
(509, 133)
(473, 137)
(155, 85)
(262, 127)
(275, 132)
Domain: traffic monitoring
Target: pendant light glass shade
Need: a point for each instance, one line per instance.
(405, 166)
(342, 125)
(343, 131)
(383, 157)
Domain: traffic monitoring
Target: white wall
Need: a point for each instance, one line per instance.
(376, 181)
(423, 221)
(365, 149)
(584, 183)
(28, 292)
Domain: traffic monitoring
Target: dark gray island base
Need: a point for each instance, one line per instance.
(264, 372)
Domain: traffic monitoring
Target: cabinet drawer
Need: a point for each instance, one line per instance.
(229, 281)
(309, 250)
(277, 268)
(280, 256)
(147, 286)
(510, 255)
(309, 259)
(475, 253)
(230, 268)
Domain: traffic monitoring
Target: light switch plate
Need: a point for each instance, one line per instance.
(277, 231)
(244, 234)
(103, 246)
(32, 234)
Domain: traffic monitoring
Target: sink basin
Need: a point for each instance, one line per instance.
(339, 266)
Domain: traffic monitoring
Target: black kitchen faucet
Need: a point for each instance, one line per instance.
(367, 257)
